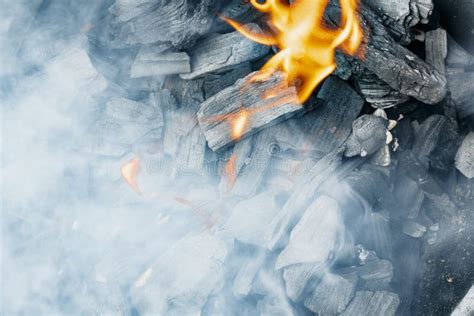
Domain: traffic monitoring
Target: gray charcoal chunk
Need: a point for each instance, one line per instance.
(367, 303)
(466, 306)
(316, 236)
(378, 93)
(465, 156)
(332, 294)
(161, 64)
(180, 22)
(216, 114)
(297, 278)
(213, 83)
(436, 47)
(369, 133)
(413, 229)
(461, 86)
(427, 136)
(221, 52)
(245, 276)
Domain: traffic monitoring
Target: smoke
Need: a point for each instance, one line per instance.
(75, 238)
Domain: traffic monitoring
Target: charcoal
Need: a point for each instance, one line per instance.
(378, 93)
(215, 112)
(250, 218)
(465, 156)
(244, 278)
(375, 275)
(332, 294)
(457, 56)
(442, 157)
(239, 10)
(190, 157)
(314, 238)
(190, 268)
(370, 184)
(461, 86)
(426, 137)
(409, 197)
(250, 177)
(179, 22)
(409, 12)
(466, 306)
(213, 83)
(369, 133)
(327, 169)
(298, 277)
(125, 10)
(401, 69)
(367, 303)
(127, 122)
(148, 64)
(273, 304)
(380, 239)
(241, 153)
(413, 229)
(436, 47)
(222, 52)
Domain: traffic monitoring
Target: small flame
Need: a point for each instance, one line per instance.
(239, 123)
(307, 46)
(129, 172)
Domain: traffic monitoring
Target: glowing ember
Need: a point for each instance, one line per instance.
(129, 172)
(239, 123)
(307, 46)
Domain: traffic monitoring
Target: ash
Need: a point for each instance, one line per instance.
(357, 202)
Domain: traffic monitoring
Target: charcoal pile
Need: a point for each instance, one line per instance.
(356, 201)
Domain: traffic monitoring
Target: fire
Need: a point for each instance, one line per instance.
(307, 46)
(239, 123)
(129, 172)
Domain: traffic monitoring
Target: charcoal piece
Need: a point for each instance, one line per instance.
(190, 156)
(443, 155)
(315, 238)
(378, 93)
(369, 133)
(403, 135)
(213, 83)
(192, 267)
(327, 170)
(222, 52)
(426, 137)
(240, 10)
(370, 184)
(466, 306)
(241, 153)
(180, 22)
(409, 197)
(413, 229)
(436, 48)
(125, 10)
(465, 156)
(375, 275)
(250, 218)
(332, 294)
(397, 66)
(245, 276)
(457, 56)
(327, 126)
(367, 303)
(248, 99)
(250, 177)
(168, 63)
(381, 235)
(298, 277)
(461, 87)
(188, 93)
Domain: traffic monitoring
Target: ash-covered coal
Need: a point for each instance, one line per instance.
(147, 168)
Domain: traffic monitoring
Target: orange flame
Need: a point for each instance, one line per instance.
(129, 172)
(307, 46)
(239, 123)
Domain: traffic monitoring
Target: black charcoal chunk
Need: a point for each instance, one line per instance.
(367, 303)
(369, 133)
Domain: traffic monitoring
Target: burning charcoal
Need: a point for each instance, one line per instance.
(462, 92)
(465, 156)
(221, 52)
(457, 57)
(180, 22)
(436, 49)
(426, 137)
(332, 294)
(245, 103)
(413, 229)
(367, 303)
(369, 133)
(148, 64)
(190, 268)
(329, 168)
(378, 93)
(213, 83)
(466, 306)
(250, 177)
(250, 218)
(240, 155)
(239, 10)
(314, 238)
